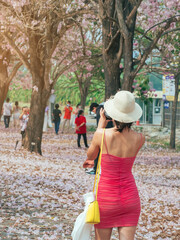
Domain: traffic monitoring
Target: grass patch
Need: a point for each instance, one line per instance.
(91, 128)
(158, 142)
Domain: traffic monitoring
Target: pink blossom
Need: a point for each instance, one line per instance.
(35, 88)
(88, 53)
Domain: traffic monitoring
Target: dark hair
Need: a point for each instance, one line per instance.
(56, 105)
(80, 113)
(7, 100)
(24, 107)
(78, 105)
(121, 126)
(16, 103)
(92, 106)
(69, 102)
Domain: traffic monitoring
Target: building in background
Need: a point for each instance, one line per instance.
(158, 112)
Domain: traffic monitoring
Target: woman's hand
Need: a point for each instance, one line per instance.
(102, 121)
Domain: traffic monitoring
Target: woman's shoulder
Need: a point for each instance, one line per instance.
(138, 136)
(99, 131)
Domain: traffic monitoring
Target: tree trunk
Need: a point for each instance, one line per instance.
(34, 129)
(128, 63)
(111, 60)
(118, 34)
(173, 117)
(4, 85)
(83, 100)
(127, 31)
(112, 75)
(40, 70)
(84, 89)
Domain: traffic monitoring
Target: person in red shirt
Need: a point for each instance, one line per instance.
(67, 116)
(80, 123)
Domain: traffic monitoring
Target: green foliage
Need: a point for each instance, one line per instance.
(137, 128)
(157, 143)
(20, 94)
(143, 89)
(91, 128)
(96, 91)
(68, 89)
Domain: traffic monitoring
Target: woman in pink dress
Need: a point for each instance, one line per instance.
(118, 196)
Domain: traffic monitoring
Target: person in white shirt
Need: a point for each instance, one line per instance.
(45, 125)
(16, 114)
(7, 110)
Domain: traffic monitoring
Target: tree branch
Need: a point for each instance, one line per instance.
(15, 69)
(133, 12)
(112, 41)
(172, 30)
(152, 45)
(67, 67)
(164, 21)
(73, 14)
(17, 50)
(120, 52)
(82, 36)
(122, 25)
(148, 38)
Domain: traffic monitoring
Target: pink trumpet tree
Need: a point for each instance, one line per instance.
(167, 47)
(83, 46)
(41, 25)
(120, 22)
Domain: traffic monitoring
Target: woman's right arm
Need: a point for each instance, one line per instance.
(93, 150)
(20, 117)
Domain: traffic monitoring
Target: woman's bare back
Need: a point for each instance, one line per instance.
(125, 144)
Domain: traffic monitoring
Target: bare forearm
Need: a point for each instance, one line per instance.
(92, 152)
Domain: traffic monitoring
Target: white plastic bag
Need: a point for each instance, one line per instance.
(82, 230)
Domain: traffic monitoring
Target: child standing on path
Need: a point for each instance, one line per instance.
(80, 123)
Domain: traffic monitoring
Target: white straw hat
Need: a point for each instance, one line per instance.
(123, 108)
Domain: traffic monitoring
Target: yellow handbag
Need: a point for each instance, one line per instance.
(93, 214)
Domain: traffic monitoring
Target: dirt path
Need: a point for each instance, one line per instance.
(41, 196)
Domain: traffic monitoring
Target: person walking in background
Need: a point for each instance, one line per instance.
(24, 117)
(95, 108)
(45, 124)
(56, 118)
(80, 123)
(7, 110)
(16, 114)
(75, 113)
(67, 116)
(117, 196)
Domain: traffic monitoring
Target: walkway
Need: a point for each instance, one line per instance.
(41, 196)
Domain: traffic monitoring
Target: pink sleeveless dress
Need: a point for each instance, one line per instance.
(118, 197)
